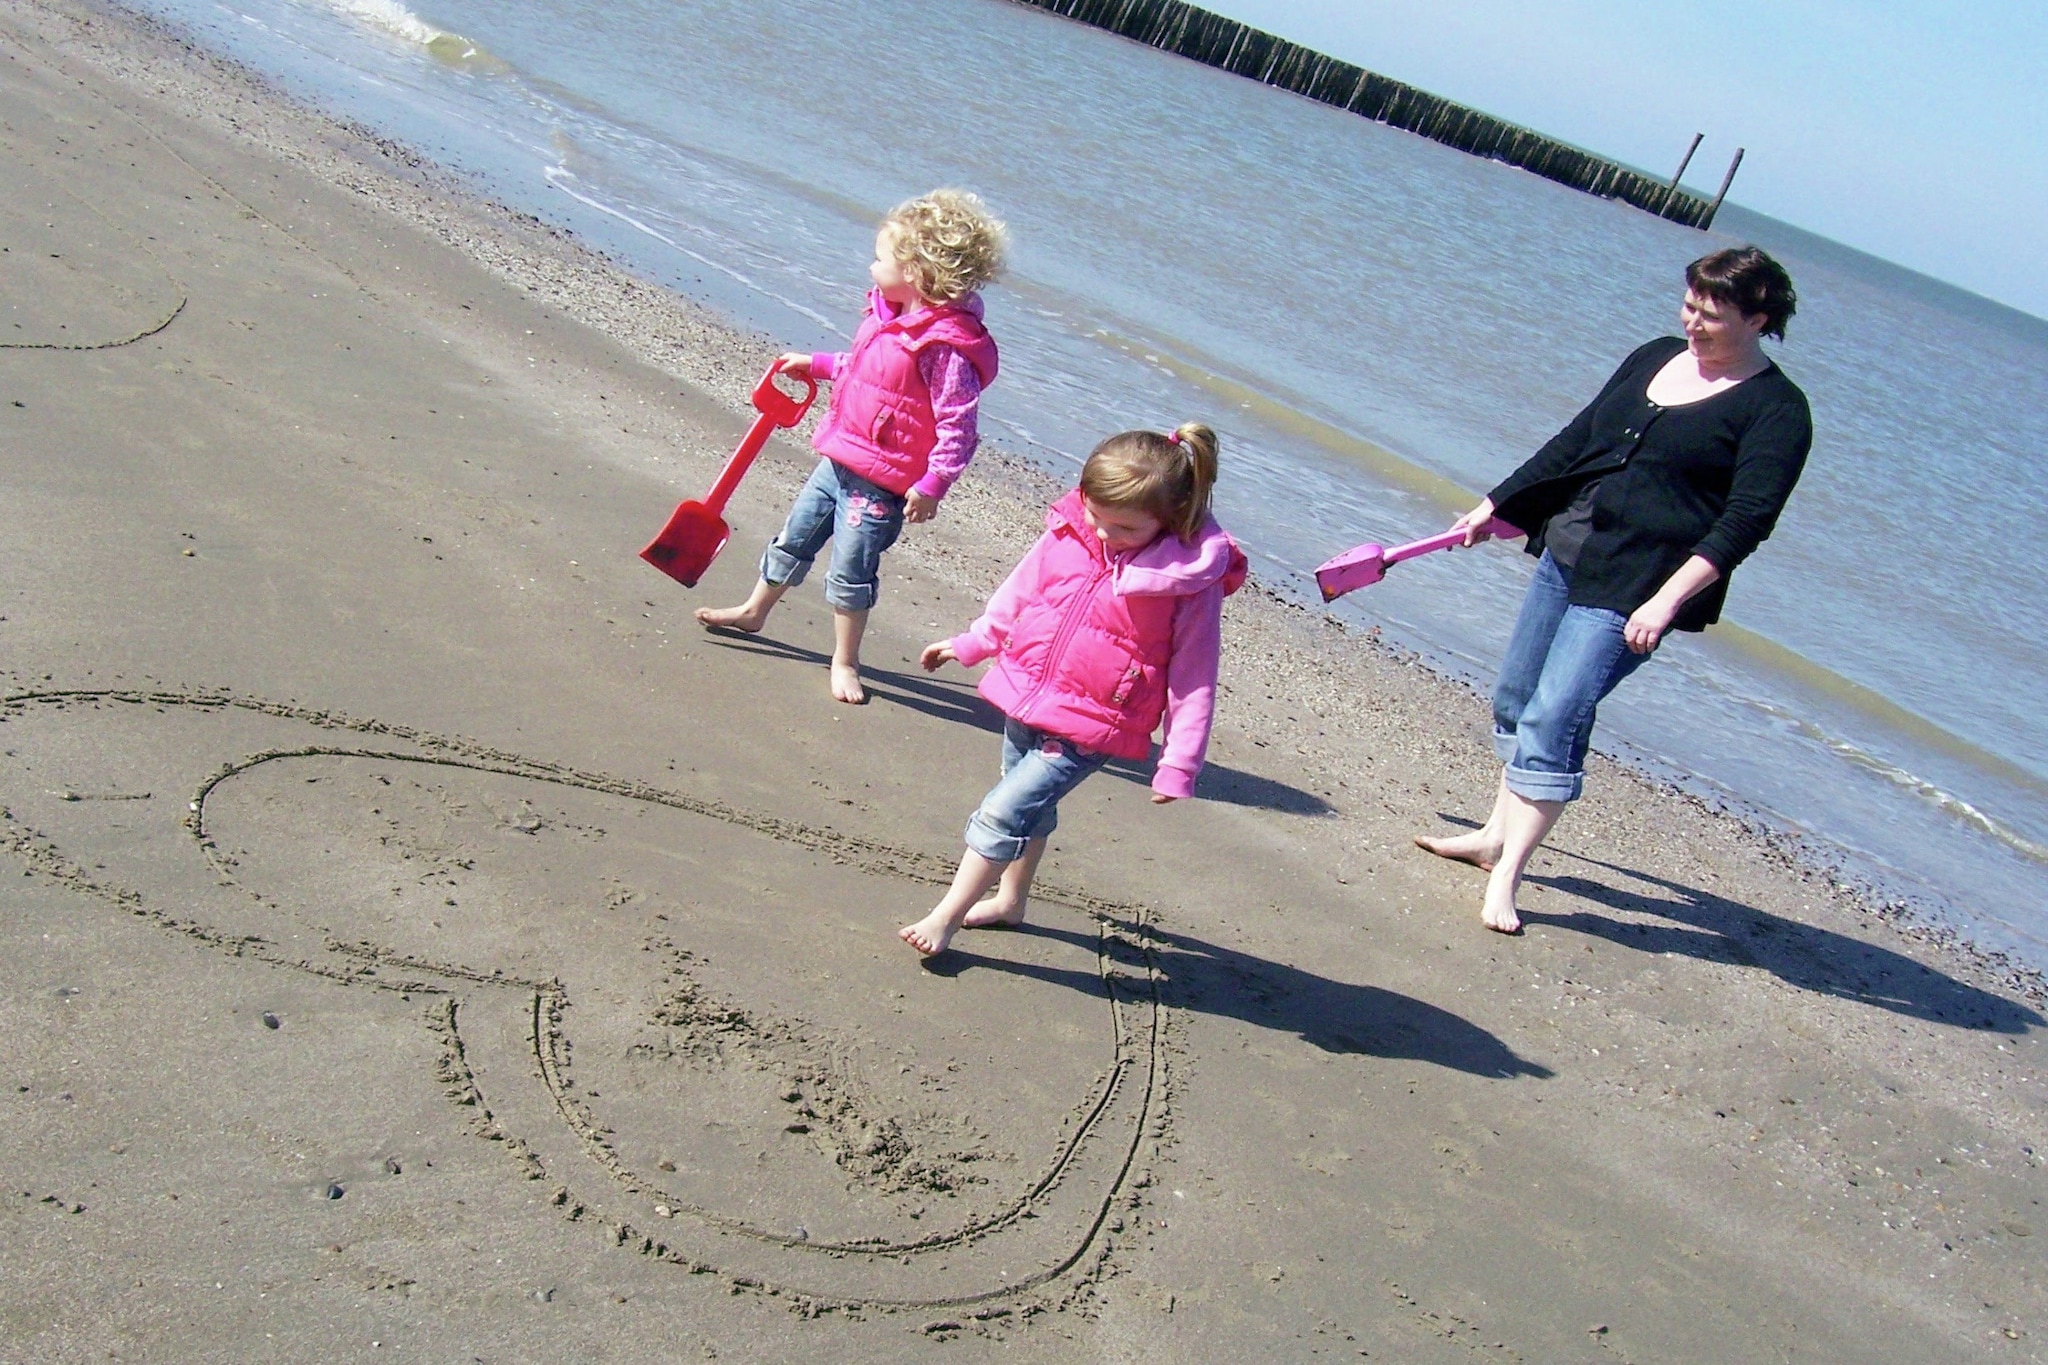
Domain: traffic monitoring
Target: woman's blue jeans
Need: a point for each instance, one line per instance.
(1038, 769)
(1561, 662)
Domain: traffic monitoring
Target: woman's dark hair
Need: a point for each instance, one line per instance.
(1749, 279)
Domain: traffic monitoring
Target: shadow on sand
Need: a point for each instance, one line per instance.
(1335, 1016)
(959, 704)
(1713, 928)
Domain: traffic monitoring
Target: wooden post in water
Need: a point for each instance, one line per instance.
(1686, 160)
(1726, 181)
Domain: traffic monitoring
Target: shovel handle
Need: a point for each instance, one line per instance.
(777, 409)
(1444, 540)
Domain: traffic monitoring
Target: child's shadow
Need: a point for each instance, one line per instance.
(959, 704)
(1335, 1016)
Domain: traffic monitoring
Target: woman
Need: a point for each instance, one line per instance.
(1639, 511)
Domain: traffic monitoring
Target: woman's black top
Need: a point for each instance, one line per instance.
(1706, 478)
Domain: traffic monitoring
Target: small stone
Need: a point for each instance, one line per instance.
(271, 1021)
(543, 1296)
(118, 1148)
(665, 1164)
(189, 552)
(663, 1211)
(942, 1325)
(66, 992)
(1598, 1329)
(392, 1166)
(560, 1196)
(2018, 1229)
(335, 1191)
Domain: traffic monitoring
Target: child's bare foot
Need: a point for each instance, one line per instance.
(846, 683)
(994, 913)
(1478, 848)
(930, 935)
(746, 617)
(1498, 913)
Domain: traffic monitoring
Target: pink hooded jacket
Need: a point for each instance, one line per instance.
(1097, 649)
(880, 423)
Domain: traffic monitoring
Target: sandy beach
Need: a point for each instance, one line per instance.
(424, 943)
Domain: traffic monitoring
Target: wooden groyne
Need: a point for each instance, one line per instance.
(1179, 28)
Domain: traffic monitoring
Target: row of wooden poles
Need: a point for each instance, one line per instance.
(1227, 45)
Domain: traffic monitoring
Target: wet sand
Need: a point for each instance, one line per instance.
(423, 943)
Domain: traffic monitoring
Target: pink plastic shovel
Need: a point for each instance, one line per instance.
(1367, 565)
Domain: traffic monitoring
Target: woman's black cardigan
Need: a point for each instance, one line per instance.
(1707, 478)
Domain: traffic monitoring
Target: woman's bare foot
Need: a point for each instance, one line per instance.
(846, 683)
(1478, 848)
(746, 617)
(930, 935)
(994, 913)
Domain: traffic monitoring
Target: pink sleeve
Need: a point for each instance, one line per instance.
(984, 639)
(1190, 691)
(956, 399)
(825, 364)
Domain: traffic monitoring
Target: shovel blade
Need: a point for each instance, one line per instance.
(1359, 568)
(688, 544)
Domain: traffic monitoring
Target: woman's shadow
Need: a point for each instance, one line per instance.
(959, 704)
(1713, 928)
(1206, 978)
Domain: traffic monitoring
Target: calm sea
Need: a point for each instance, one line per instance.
(1380, 327)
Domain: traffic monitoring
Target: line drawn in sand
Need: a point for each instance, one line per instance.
(1052, 1225)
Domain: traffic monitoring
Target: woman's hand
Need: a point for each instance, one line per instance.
(796, 364)
(919, 507)
(1646, 626)
(1473, 523)
(936, 653)
(1160, 798)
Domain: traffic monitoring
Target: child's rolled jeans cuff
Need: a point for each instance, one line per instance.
(996, 845)
(847, 596)
(1532, 784)
(781, 569)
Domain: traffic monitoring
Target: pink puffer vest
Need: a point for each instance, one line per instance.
(880, 423)
(1087, 661)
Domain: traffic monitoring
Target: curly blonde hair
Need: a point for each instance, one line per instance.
(948, 243)
(1168, 475)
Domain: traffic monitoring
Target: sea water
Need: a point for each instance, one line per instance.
(1379, 326)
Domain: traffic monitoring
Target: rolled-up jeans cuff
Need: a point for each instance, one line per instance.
(1532, 784)
(782, 569)
(1504, 744)
(993, 844)
(850, 596)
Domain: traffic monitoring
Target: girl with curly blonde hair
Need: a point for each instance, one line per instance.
(901, 425)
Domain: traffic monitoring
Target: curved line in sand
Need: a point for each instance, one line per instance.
(546, 1037)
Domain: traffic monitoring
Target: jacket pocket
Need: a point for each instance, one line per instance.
(883, 429)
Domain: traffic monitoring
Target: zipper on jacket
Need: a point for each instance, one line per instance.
(1063, 635)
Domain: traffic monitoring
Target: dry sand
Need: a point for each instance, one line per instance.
(426, 945)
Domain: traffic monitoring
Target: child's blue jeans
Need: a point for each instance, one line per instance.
(1561, 662)
(861, 520)
(1038, 769)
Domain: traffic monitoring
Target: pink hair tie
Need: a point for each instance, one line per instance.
(1173, 438)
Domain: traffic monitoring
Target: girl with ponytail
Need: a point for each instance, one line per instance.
(1109, 625)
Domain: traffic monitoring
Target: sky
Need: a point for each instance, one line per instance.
(1910, 129)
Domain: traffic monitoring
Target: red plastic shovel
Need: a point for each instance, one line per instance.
(697, 531)
(1367, 565)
